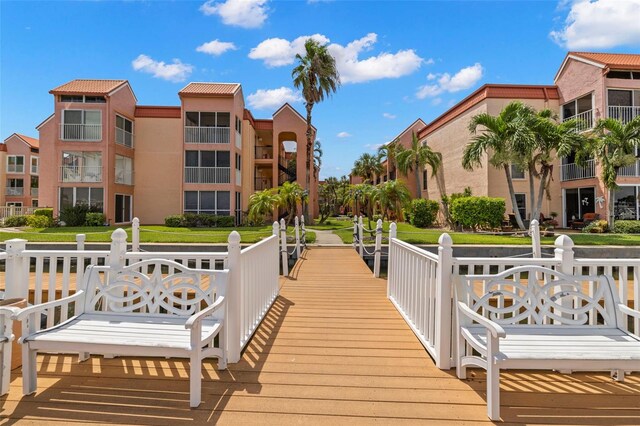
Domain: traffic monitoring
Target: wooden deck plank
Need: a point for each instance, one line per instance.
(331, 350)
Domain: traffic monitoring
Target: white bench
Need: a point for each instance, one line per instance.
(156, 308)
(6, 339)
(548, 321)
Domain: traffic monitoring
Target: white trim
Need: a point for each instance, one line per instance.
(23, 165)
(287, 105)
(579, 59)
(31, 157)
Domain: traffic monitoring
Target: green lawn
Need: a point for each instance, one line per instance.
(148, 234)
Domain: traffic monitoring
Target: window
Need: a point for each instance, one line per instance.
(207, 119)
(521, 201)
(123, 208)
(35, 183)
(15, 163)
(14, 203)
(15, 187)
(207, 159)
(238, 208)
(124, 170)
(83, 99)
(72, 98)
(424, 180)
(238, 125)
(238, 162)
(93, 197)
(620, 97)
(81, 125)
(35, 162)
(211, 202)
(576, 107)
(625, 75)
(124, 131)
(517, 172)
(34, 203)
(81, 166)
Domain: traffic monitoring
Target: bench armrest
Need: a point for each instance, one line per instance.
(9, 311)
(491, 326)
(198, 317)
(24, 313)
(627, 310)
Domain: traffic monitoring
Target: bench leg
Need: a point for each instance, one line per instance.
(29, 370)
(618, 375)
(5, 372)
(222, 361)
(461, 371)
(83, 356)
(493, 390)
(195, 380)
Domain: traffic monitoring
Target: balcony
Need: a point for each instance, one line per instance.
(632, 170)
(573, 171)
(193, 134)
(81, 132)
(263, 183)
(15, 191)
(584, 121)
(86, 174)
(207, 174)
(34, 192)
(124, 138)
(264, 152)
(124, 177)
(624, 113)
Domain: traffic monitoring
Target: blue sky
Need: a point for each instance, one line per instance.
(399, 60)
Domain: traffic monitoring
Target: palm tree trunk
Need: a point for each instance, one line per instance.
(541, 188)
(512, 194)
(418, 187)
(610, 219)
(534, 215)
(307, 187)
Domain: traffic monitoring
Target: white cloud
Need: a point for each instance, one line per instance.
(176, 71)
(276, 52)
(273, 98)
(216, 47)
(344, 135)
(436, 101)
(373, 146)
(463, 79)
(239, 13)
(600, 24)
(388, 115)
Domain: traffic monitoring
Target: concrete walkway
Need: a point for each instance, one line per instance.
(325, 237)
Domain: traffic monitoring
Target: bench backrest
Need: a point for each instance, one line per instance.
(155, 286)
(537, 295)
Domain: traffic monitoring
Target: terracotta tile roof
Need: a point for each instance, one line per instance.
(499, 91)
(210, 89)
(3, 147)
(32, 142)
(260, 124)
(248, 116)
(611, 60)
(158, 111)
(97, 87)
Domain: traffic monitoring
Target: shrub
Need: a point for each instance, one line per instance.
(626, 227)
(192, 220)
(95, 219)
(74, 216)
(478, 212)
(47, 212)
(36, 221)
(596, 227)
(423, 212)
(173, 221)
(15, 221)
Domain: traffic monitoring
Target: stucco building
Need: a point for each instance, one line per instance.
(206, 155)
(20, 171)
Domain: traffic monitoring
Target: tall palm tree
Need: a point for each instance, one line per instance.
(500, 138)
(367, 166)
(613, 147)
(261, 204)
(363, 199)
(415, 159)
(316, 75)
(388, 153)
(291, 194)
(392, 196)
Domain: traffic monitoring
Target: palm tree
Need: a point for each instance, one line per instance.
(501, 137)
(367, 166)
(317, 155)
(388, 153)
(290, 195)
(613, 148)
(392, 196)
(261, 204)
(416, 158)
(363, 199)
(316, 75)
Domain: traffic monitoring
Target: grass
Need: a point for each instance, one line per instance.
(148, 234)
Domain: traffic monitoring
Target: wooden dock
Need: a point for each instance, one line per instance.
(331, 350)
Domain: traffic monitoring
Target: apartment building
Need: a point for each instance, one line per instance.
(207, 155)
(588, 86)
(20, 157)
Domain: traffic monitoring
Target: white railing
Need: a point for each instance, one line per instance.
(124, 138)
(34, 192)
(6, 211)
(124, 177)
(632, 170)
(81, 132)
(80, 173)
(15, 168)
(584, 120)
(194, 134)
(573, 171)
(207, 174)
(15, 191)
(624, 113)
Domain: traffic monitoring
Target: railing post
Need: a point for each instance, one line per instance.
(17, 270)
(360, 233)
(564, 255)
(534, 231)
(355, 232)
(118, 249)
(444, 323)
(297, 230)
(12, 210)
(393, 231)
(275, 228)
(234, 298)
(80, 239)
(303, 237)
(283, 248)
(378, 249)
(135, 235)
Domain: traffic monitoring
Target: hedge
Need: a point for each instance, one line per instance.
(39, 221)
(15, 221)
(478, 212)
(192, 220)
(95, 219)
(423, 212)
(626, 227)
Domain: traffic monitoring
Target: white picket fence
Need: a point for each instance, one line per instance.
(420, 285)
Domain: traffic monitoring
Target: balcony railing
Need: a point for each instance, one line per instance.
(207, 174)
(124, 177)
(624, 113)
(80, 173)
(193, 134)
(15, 168)
(263, 183)
(34, 192)
(264, 152)
(124, 138)
(15, 191)
(584, 120)
(573, 171)
(632, 170)
(81, 132)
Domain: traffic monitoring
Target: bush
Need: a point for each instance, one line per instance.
(423, 213)
(192, 220)
(478, 212)
(48, 212)
(39, 221)
(626, 227)
(596, 227)
(95, 219)
(15, 221)
(74, 216)
(173, 221)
